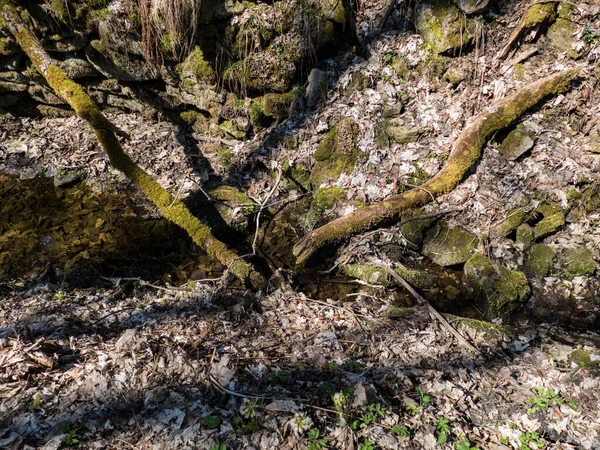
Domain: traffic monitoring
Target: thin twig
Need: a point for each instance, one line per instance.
(263, 205)
(214, 381)
(423, 302)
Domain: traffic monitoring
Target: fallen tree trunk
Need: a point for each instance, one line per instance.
(465, 153)
(170, 207)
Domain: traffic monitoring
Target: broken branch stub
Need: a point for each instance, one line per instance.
(170, 207)
(465, 153)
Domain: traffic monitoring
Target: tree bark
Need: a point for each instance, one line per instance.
(170, 207)
(465, 153)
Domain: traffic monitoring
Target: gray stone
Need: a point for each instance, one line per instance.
(119, 66)
(402, 134)
(442, 25)
(316, 91)
(449, 246)
(44, 94)
(518, 142)
(472, 6)
(67, 44)
(78, 68)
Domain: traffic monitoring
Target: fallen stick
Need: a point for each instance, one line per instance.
(465, 153)
(423, 302)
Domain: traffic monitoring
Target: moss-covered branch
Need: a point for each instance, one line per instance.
(170, 207)
(465, 152)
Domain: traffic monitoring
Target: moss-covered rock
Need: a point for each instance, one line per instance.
(396, 312)
(278, 106)
(554, 218)
(358, 82)
(197, 68)
(442, 25)
(576, 262)
(449, 246)
(518, 142)
(337, 153)
(538, 14)
(514, 219)
(334, 10)
(234, 129)
(371, 274)
(414, 231)
(525, 236)
(233, 205)
(581, 358)
(324, 200)
(499, 290)
(539, 261)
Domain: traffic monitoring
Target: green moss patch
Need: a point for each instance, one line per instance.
(337, 153)
(576, 262)
(449, 246)
(539, 262)
(554, 218)
(499, 290)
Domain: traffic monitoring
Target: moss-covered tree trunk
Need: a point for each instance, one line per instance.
(465, 152)
(170, 207)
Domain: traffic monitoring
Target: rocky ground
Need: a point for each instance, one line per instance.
(127, 359)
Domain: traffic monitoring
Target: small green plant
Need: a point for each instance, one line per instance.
(530, 441)
(339, 400)
(443, 428)
(316, 442)
(219, 447)
(211, 422)
(402, 432)
(276, 377)
(353, 365)
(249, 408)
(252, 426)
(465, 445)
(505, 440)
(544, 399)
(590, 36)
(372, 413)
(72, 439)
(413, 409)
(425, 399)
(366, 445)
(37, 402)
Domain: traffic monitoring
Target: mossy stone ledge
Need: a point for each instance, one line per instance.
(371, 274)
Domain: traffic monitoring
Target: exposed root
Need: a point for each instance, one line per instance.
(465, 153)
(170, 207)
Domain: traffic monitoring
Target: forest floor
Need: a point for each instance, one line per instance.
(133, 359)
